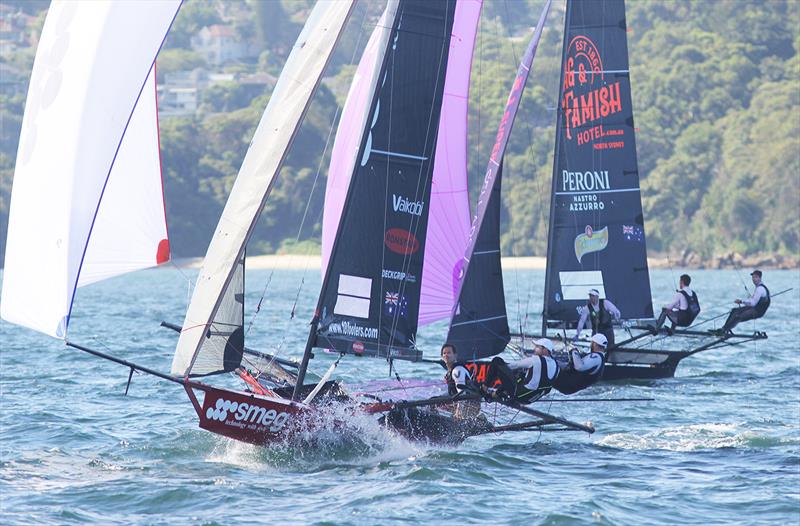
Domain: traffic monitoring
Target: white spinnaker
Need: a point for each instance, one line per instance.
(279, 124)
(91, 65)
(130, 231)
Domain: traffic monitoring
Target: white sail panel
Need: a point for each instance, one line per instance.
(130, 232)
(279, 123)
(91, 64)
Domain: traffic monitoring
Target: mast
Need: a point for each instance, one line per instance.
(273, 137)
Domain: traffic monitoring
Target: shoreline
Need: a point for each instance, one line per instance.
(301, 262)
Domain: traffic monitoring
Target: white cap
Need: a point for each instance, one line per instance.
(600, 340)
(544, 342)
(594, 292)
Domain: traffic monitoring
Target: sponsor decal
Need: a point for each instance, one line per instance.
(590, 241)
(585, 203)
(633, 233)
(398, 276)
(395, 303)
(479, 370)
(584, 181)
(353, 330)
(587, 98)
(244, 415)
(401, 241)
(406, 206)
(358, 347)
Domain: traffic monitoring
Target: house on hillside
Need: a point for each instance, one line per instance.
(218, 44)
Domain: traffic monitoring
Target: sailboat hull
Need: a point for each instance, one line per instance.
(247, 417)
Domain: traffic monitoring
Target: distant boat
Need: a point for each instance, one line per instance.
(596, 236)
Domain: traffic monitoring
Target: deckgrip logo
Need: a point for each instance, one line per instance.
(401, 241)
(404, 205)
(594, 100)
(244, 414)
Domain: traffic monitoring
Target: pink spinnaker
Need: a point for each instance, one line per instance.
(449, 214)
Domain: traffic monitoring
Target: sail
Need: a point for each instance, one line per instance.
(89, 134)
(449, 216)
(224, 341)
(366, 306)
(480, 326)
(596, 238)
(484, 224)
(273, 137)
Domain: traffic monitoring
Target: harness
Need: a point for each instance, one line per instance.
(687, 316)
(524, 394)
(601, 319)
(452, 389)
(763, 303)
(569, 381)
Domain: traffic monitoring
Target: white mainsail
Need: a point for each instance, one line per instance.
(89, 131)
(278, 126)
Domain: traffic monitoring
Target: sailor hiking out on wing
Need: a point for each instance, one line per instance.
(682, 310)
(528, 379)
(752, 308)
(600, 313)
(582, 370)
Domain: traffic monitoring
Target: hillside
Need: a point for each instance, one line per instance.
(716, 92)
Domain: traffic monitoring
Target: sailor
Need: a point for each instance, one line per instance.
(458, 381)
(682, 310)
(582, 370)
(527, 379)
(601, 313)
(752, 308)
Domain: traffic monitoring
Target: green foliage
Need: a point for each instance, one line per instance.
(716, 96)
(178, 59)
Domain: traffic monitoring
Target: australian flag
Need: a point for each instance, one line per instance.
(633, 232)
(395, 303)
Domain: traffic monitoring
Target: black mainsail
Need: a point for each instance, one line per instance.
(479, 327)
(363, 308)
(596, 235)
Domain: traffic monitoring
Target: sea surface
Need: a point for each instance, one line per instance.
(719, 444)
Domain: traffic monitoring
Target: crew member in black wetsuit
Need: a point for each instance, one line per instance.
(582, 370)
(752, 308)
(528, 379)
(600, 313)
(682, 310)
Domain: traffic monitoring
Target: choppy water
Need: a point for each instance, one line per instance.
(719, 445)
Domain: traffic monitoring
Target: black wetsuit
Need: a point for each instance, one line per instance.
(745, 313)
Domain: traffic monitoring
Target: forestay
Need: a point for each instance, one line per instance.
(596, 237)
(449, 217)
(364, 308)
(279, 124)
(478, 324)
(87, 200)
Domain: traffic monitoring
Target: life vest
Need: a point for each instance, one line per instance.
(526, 395)
(569, 381)
(690, 314)
(452, 389)
(601, 319)
(763, 303)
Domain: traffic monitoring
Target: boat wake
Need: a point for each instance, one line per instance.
(692, 438)
(336, 436)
